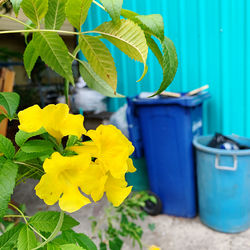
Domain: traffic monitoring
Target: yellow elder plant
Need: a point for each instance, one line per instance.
(49, 145)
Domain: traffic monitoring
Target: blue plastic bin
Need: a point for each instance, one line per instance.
(223, 186)
(168, 126)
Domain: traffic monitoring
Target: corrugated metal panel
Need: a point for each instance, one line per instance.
(211, 38)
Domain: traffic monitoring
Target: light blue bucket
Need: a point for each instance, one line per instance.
(223, 178)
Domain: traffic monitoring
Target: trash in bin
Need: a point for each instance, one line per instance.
(223, 185)
(222, 142)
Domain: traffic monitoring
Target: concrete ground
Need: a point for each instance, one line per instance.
(171, 233)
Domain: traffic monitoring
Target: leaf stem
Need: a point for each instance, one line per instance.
(24, 217)
(15, 216)
(16, 20)
(29, 165)
(99, 5)
(54, 233)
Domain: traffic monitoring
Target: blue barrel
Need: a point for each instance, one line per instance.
(168, 126)
(223, 186)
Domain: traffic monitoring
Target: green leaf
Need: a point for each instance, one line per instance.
(103, 246)
(155, 49)
(26, 239)
(35, 146)
(72, 140)
(115, 244)
(99, 58)
(23, 156)
(6, 147)
(54, 53)
(2, 116)
(35, 10)
(21, 136)
(71, 247)
(51, 246)
(47, 221)
(8, 173)
(170, 64)
(55, 16)
(94, 81)
(9, 239)
(114, 8)
(77, 11)
(30, 57)
(10, 101)
(16, 5)
(151, 226)
(76, 238)
(128, 37)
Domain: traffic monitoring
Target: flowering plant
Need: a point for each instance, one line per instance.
(76, 172)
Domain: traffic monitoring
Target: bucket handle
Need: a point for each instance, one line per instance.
(217, 166)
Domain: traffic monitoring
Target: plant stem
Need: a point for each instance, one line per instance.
(54, 233)
(16, 20)
(24, 217)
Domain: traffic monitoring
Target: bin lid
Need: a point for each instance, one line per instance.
(184, 100)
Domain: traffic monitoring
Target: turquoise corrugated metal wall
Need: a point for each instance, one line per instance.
(211, 37)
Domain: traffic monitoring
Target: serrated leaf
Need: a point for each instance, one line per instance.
(26, 239)
(153, 24)
(35, 146)
(99, 58)
(155, 49)
(9, 239)
(114, 8)
(55, 16)
(47, 221)
(8, 173)
(30, 57)
(54, 53)
(10, 101)
(78, 238)
(71, 247)
(77, 11)
(6, 147)
(94, 81)
(128, 37)
(21, 137)
(16, 4)
(35, 10)
(170, 64)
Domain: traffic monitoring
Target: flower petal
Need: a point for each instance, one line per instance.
(117, 191)
(73, 125)
(131, 167)
(30, 119)
(48, 189)
(72, 200)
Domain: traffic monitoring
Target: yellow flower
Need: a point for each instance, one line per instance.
(153, 247)
(111, 148)
(55, 119)
(62, 179)
(97, 181)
